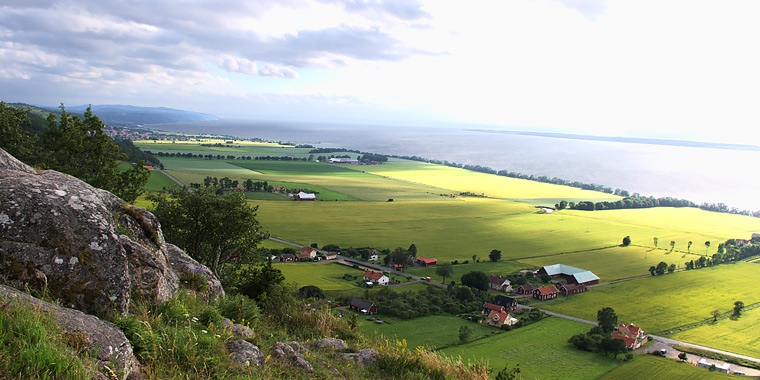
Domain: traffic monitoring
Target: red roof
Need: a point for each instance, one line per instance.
(306, 249)
(490, 306)
(503, 315)
(548, 289)
(427, 260)
(373, 275)
(629, 342)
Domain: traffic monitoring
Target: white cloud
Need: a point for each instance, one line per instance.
(238, 65)
(270, 70)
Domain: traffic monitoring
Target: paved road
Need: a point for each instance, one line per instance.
(171, 178)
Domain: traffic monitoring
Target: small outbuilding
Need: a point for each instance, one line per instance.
(362, 306)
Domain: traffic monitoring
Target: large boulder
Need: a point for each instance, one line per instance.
(84, 245)
(104, 340)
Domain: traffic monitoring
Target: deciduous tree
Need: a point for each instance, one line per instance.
(444, 270)
(475, 279)
(607, 319)
(495, 255)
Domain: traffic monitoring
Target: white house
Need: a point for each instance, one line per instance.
(306, 196)
(373, 255)
(376, 277)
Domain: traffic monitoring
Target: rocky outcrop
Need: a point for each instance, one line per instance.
(292, 352)
(245, 353)
(180, 262)
(103, 339)
(237, 330)
(365, 357)
(329, 343)
(84, 245)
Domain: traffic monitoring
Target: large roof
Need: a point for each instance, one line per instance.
(580, 275)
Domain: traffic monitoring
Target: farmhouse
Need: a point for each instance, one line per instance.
(545, 293)
(331, 256)
(489, 307)
(373, 255)
(508, 303)
(312, 252)
(573, 275)
(362, 306)
(286, 258)
(632, 335)
(499, 283)
(344, 161)
(567, 289)
(525, 289)
(376, 277)
(301, 196)
(426, 262)
(725, 367)
(500, 318)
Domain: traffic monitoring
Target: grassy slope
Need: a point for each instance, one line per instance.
(541, 350)
(663, 302)
(656, 368)
(740, 336)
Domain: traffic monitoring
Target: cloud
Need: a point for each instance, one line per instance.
(401, 9)
(238, 65)
(270, 70)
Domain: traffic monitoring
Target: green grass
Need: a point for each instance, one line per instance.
(658, 368)
(616, 262)
(158, 181)
(497, 268)
(659, 303)
(541, 350)
(327, 276)
(298, 168)
(431, 331)
(740, 335)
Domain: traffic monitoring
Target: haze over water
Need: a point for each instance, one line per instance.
(695, 173)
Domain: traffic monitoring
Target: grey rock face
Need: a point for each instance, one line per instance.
(244, 352)
(84, 245)
(181, 262)
(104, 339)
(329, 343)
(237, 330)
(365, 357)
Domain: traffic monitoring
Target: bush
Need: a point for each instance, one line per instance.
(139, 334)
(193, 281)
(238, 308)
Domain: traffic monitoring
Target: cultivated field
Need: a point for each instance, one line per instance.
(432, 331)
(657, 368)
(327, 276)
(664, 302)
(740, 335)
(541, 350)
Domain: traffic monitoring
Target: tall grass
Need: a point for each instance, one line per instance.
(33, 346)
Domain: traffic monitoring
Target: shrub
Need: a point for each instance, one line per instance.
(239, 307)
(193, 281)
(139, 334)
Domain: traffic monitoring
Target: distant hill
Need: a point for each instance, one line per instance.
(132, 115)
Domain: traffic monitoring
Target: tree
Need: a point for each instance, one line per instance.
(311, 291)
(656, 240)
(607, 319)
(672, 245)
(612, 346)
(475, 279)
(545, 278)
(738, 306)
(258, 282)
(401, 257)
(715, 313)
(508, 374)
(652, 269)
(688, 247)
(464, 333)
(626, 241)
(683, 357)
(213, 229)
(444, 270)
(79, 147)
(671, 268)
(14, 139)
(707, 246)
(413, 250)
(661, 268)
(495, 255)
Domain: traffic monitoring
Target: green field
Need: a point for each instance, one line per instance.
(327, 276)
(657, 368)
(741, 336)
(664, 302)
(502, 268)
(432, 331)
(158, 181)
(541, 350)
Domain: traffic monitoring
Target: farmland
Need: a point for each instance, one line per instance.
(664, 302)
(541, 350)
(431, 331)
(738, 335)
(657, 368)
(427, 209)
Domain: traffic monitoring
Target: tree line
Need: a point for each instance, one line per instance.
(638, 201)
(73, 145)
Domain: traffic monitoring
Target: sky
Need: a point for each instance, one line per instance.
(657, 68)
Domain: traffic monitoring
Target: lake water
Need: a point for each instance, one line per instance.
(694, 173)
